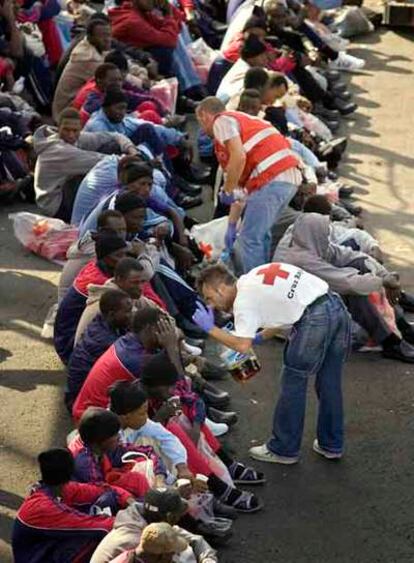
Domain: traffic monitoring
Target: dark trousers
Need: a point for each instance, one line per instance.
(69, 191)
(164, 58)
(367, 316)
(310, 88)
(147, 134)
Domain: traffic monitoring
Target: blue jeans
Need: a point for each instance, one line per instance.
(263, 209)
(318, 344)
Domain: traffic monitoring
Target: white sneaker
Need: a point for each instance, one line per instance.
(347, 63)
(192, 350)
(336, 42)
(324, 453)
(262, 453)
(217, 428)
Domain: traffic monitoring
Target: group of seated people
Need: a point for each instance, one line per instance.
(144, 476)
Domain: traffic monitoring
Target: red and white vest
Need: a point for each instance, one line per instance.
(268, 153)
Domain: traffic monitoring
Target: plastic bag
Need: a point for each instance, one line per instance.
(166, 92)
(45, 236)
(202, 56)
(330, 190)
(315, 125)
(382, 305)
(200, 507)
(140, 463)
(210, 237)
(214, 462)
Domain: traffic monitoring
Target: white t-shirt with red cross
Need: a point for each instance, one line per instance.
(273, 295)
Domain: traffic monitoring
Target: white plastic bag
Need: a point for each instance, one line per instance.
(166, 92)
(214, 462)
(210, 237)
(141, 463)
(202, 56)
(45, 236)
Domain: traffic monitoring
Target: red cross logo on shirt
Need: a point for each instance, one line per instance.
(271, 272)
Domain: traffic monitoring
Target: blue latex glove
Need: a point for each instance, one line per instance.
(225, 198)
(204, 317)
(258, 339)
(230, 236)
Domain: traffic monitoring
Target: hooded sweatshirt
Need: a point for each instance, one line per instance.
(126, 535)
(84, 60)
(95, 291)
(82, 251)
(57, 161)
(310, 249)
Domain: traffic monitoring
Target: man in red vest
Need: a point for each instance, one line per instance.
(258, 161)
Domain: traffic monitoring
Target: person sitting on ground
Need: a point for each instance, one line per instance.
(130, 402)
(106, 76)
(125, 358)
(137, 85)
(55, 183)
(98, 455)
(160, 505)
(82, 251)
(90, 98)
(84, 59)
(352, 274)
(250, 102)
(136, 181)
(122, 361)
(161, 381)
(160, 25)
(342, 233)
(171, 260)
(112, 320)
(54, 523)
(113, 117)
(109, 250)
(131, 278)
(253, 54)
(160, 543)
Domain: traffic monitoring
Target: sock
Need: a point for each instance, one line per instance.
(226, 459)
(216, 485)
(391, 341)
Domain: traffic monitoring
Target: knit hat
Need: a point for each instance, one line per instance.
(163, 501)
(159, 370)
(114, 96)
(107, 242)
(127, 201)
(252, 47)
(161, 538)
